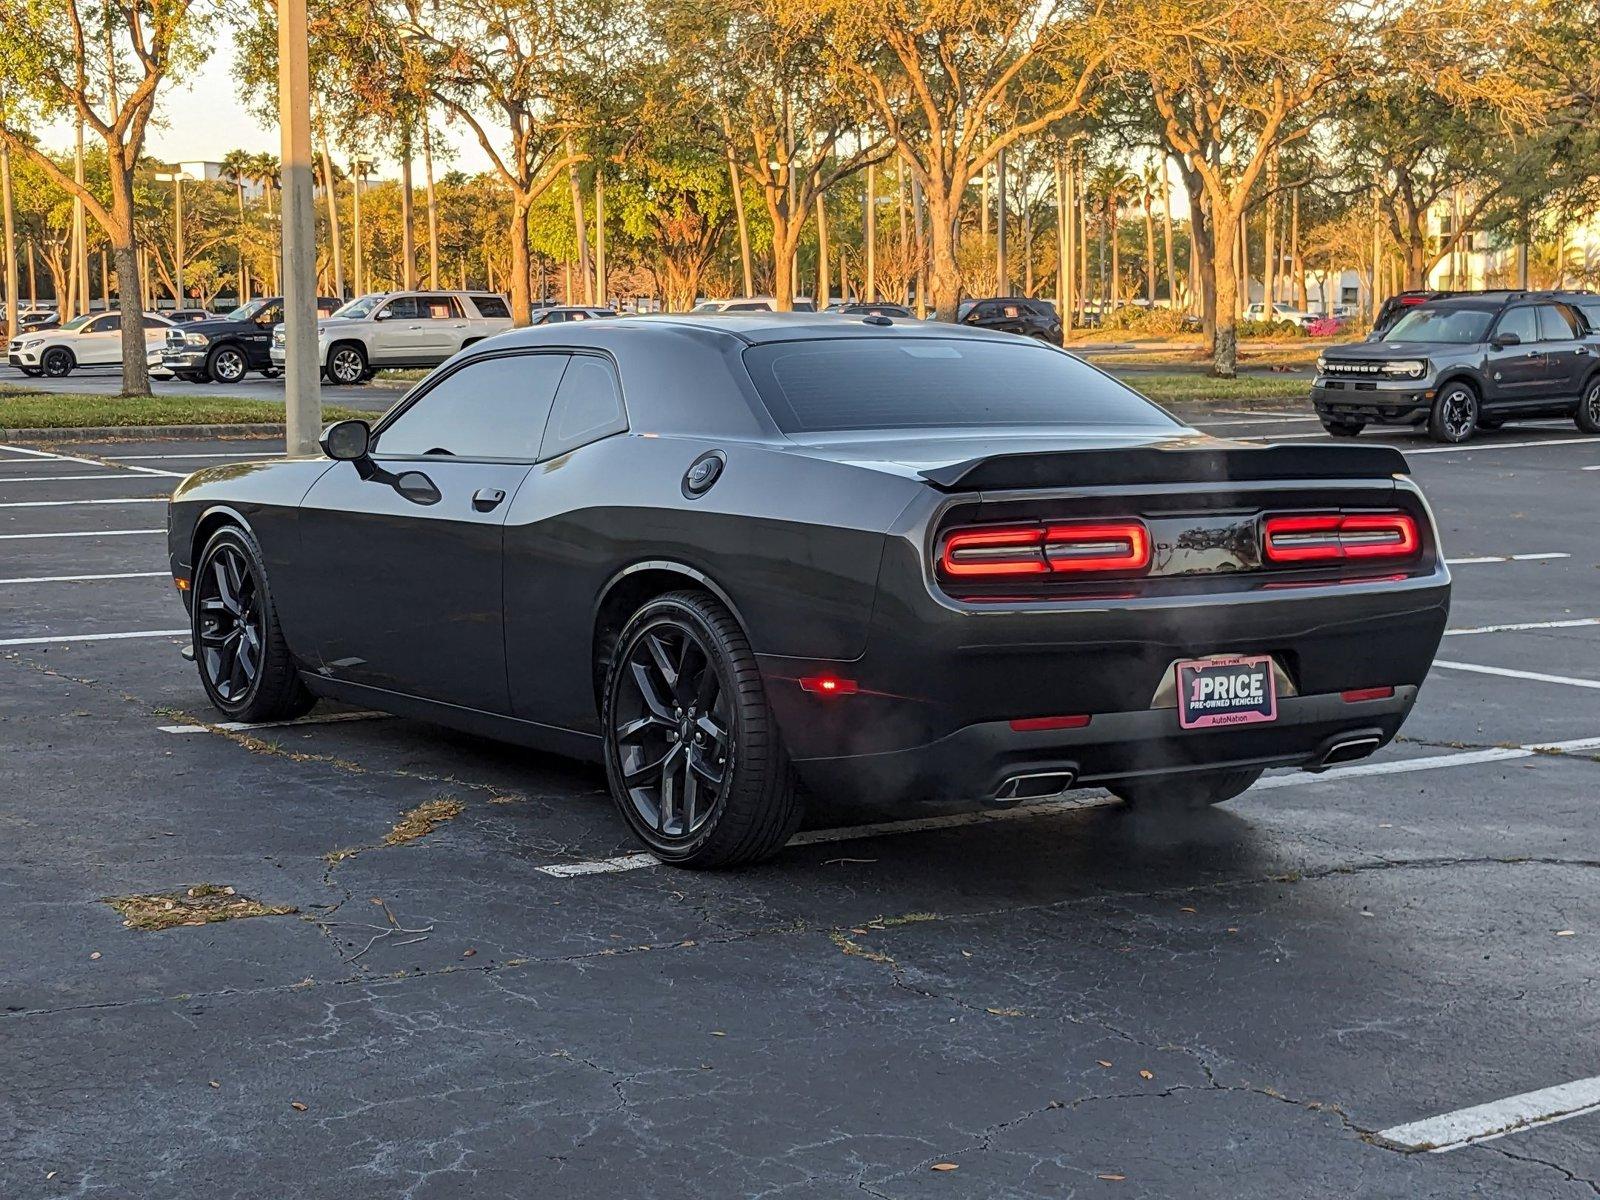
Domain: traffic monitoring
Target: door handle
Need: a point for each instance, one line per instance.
(487, 499)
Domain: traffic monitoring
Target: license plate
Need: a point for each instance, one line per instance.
(1226, 691)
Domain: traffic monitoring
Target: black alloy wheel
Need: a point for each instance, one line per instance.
(1588, 414)
(56, 363)
(227, 364)
(239, 649)
(692, 754)
(1454, 418)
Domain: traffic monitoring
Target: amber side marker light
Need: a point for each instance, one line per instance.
(829, 685)
(180, 583)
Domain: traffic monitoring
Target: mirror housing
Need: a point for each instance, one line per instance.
(383, 314)
(1502, 340)
(346, 441)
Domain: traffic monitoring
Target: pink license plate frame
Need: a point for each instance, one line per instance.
(1217, 692)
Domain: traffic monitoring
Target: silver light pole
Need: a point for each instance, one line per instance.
(177, 179)
(302, 373)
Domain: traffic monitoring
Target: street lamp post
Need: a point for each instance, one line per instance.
(177, 179)
(302, 372)
(11, 243)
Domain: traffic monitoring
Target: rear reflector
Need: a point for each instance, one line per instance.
(1095, 547)
(1357, 695)
(829, 685)
(1333, 536)
(1035, 724)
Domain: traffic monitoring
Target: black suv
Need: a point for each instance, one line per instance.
(1469, 362)
(226, 349)
(1013, 314)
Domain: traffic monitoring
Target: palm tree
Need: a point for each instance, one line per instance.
(237, 166)
(264, 170)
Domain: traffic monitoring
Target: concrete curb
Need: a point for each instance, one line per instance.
(96, 433)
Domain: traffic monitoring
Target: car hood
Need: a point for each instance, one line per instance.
(212, 327)
(1364, 352)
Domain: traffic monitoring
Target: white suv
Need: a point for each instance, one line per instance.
(94, 340)
(400, 329)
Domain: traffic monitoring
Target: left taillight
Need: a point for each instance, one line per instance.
(1330, 537)
(1098, 547)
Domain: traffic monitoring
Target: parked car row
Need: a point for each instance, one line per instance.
(1468, 361)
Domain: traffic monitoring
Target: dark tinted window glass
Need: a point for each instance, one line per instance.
(1555, 325)
(491, 306)
(911, 383)
(106, 324)
(1458, 326)
(758, 306)
(1523, 322)
(439, 308)
(491, 408)
(1591, 313)
(150, 323)
(403, 308)
(588, 406)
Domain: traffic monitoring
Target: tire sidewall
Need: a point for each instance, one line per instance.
(1437, 426)
(355, 377)
(225, 354)
(232, 535)
(1588, 414)
(53, 358)
(654, 615)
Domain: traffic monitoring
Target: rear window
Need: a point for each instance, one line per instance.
(1591, 313)
(927, 383)
(491, 306)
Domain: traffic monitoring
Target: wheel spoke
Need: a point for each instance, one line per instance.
(670, 768)
(713, 729)
(225, 595)
(691, 792)
(659, 706)
(640, 775)
(705, 694)
(702, 764)
(629, 730)
(663, 660)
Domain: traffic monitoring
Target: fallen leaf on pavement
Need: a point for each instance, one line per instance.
(1566, 933)
(1102, 1062)
(1112, 1178)
(945, 1167)
(1146, 1075)
(297, 1106)
(94, 955)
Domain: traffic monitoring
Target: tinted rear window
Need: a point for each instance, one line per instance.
(1591, 313)
(491, 306)
(926, 383)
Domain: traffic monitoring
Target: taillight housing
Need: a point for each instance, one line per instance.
(1078, 548)
(1335, 537)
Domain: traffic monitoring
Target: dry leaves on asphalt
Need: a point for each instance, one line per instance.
(944, 1167)
(423, 820)
(201, 904)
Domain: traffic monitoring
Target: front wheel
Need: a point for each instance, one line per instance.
(1184, 792)
(245, 665)
(347, 365)
(57, 363)
(1344, 429)
(1454, 417)
(1588, 414)
(693, 756)
(227, 364)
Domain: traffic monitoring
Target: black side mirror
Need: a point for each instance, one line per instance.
(1502, 340)
(347, 441)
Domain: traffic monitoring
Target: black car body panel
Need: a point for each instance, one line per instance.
(252, 336)
(824, 547)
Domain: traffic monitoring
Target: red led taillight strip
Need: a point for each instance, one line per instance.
(1086, 548)
(1335, 536)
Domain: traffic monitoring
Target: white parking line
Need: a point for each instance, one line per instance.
(106, 474)
(94, 637)
(1046, 808)
(1523, 626)
(88, 462)
(1256, 420)
(243, 726)
(79, 503)
(1484, 1122)
(1502, 558)
(17, 537)
(1534, 676)
(86, 578)
(1596, 467)
(158, 457)
(1578, 441)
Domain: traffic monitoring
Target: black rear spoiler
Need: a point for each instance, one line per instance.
(1153, 464)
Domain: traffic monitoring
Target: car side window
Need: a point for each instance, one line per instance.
(487, 408)
(490, 306)
(1591, 314)
(404, 308)
(1555, 325)
(271, 315)
(588, 406)
(439, 308)
(1521, 321)
(105, 324)
(154, 323)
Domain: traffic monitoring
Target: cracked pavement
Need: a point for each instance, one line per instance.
(1088, 1003)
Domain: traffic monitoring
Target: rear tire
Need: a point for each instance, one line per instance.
(245, 665)
(1588, 414)
(693, 756)
(1184, 792)
(1454, 416)
(1344, 429)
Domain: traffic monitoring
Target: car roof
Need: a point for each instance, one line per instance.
(757, 328)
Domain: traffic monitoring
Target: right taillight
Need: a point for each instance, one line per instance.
(1333, 537)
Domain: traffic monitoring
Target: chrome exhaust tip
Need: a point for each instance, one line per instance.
(1036, 786)
(1350, 749)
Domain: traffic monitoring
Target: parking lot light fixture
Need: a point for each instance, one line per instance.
(177, 179)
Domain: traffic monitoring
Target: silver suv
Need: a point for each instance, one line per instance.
(400, 329)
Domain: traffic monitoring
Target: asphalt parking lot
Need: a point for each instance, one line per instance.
(1051, 1001)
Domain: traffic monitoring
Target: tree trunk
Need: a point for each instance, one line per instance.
(1166, 233)
(433, 209)
(580, 227)
(919, 226)
(869, 233)
(408, 235)
(521, 299)
(944, 283)
(1225, 357)
(824, 284)
(1149, 252)
(783, 258)
(335, 240)
(602, 285)
(124, 246)
(1297, 264)
(746, 267)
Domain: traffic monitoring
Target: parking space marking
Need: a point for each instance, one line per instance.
(158, 457)
(1578, 441)
(80, 503)
(94, 637)
(1484, 1122)
(107, 474)
(86, 578)
(1401, 766)
(1525, 626)
(1503, 558)
(1254, 419)
(17, 537)
(88, 462)
(245, 726)
(1507, 672)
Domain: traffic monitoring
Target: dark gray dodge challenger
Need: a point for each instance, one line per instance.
(737, 558)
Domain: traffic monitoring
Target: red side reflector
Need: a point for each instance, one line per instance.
(1334, 536)
(829, 685)
(1100, 546)
(1373, 693)
(1034, 724)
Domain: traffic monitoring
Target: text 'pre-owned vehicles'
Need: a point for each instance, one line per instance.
(400, 329)
(731, 556)
(1468, 362)
(225, 349)
(92, 340)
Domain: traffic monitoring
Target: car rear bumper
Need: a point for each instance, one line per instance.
(1385, 402)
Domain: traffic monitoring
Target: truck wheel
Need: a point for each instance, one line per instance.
(227, 364)
(1454, 418)
(1588, 414)
(1343, 429)
(347, 364)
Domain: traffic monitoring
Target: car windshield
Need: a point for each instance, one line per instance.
(1457, 326)
(841, 384)
(245, 311)
(360, 308)
(79, 322)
